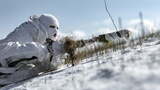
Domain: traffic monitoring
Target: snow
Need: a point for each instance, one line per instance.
(136, 68)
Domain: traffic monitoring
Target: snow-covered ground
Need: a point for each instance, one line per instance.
(135, 68)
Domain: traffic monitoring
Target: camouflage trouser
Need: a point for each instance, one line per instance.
(24, 70)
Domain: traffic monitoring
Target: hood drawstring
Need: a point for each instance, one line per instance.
(49, 43)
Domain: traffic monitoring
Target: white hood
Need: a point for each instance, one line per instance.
(36, 29)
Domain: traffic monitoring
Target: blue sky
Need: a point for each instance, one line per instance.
(85, 15)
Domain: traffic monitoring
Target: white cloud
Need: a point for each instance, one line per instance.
(104, 22)
(76, 34)
(106, 26)
(149, 25)
(79, 34)
(107, 22)
(104, 30)
(135, 27)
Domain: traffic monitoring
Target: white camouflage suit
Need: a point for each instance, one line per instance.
(28, 42)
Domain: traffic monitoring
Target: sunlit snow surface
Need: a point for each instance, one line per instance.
(135, 68)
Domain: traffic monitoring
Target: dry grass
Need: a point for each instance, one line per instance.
(78, 51)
